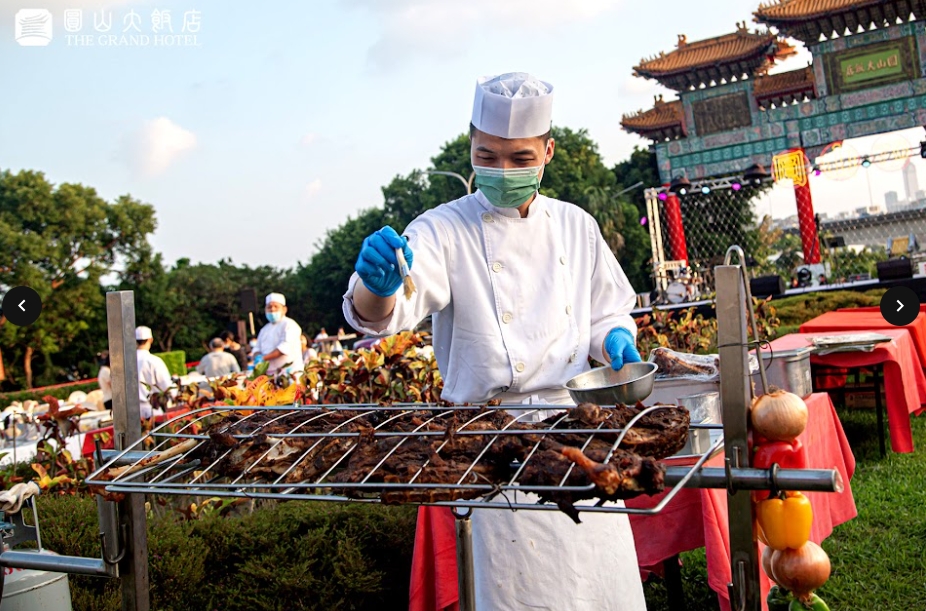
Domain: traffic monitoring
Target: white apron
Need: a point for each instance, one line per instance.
(542, 560)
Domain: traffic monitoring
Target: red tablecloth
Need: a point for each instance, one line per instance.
(705, 523)
(695, 518)
(90, 446)
(873, 309)
(904, 381)
(860, 319)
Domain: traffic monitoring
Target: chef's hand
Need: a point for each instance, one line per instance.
(620, 348)
(377, 265)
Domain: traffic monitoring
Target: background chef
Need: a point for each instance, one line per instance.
(153, 375)
(279, 341)
(523, 289)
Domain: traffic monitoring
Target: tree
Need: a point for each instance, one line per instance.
(620, 227)
(640, 167)
(61, 241)
(187, 305)
(322, 282)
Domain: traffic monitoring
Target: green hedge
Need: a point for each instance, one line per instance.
(292, 556)
(798, 309)
(176, 362)
(36, 395)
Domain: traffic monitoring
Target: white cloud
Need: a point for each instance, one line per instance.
(312, 189)
(151, 149)
(638, 86)
(309, 138)
(438, 28)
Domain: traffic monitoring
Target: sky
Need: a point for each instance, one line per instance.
(263, 125)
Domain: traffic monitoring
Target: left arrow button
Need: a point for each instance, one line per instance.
(22, 306)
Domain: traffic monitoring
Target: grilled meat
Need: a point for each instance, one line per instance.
(659, 434)
(448, 448)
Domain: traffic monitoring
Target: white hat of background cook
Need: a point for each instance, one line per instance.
(513, 105)
(142, 333)
(275, 298)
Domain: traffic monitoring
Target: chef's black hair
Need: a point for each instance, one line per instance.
(473, 129)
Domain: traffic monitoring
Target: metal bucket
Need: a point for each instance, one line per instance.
(788, 370)
(704, 409)
(30, 590)
(669, 391)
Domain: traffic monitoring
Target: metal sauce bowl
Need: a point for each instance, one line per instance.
(631, 383)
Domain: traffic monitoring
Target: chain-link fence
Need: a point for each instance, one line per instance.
(691, 229)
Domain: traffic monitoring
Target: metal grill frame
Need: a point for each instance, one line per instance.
(173, 476)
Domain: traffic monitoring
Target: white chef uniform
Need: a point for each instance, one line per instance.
(282, 335)
(153, 375)
(518, 305)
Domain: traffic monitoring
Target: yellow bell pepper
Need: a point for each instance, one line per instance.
(785, 522)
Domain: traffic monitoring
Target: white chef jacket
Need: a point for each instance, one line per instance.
(518, 305)
(153, 372)
(282, 335)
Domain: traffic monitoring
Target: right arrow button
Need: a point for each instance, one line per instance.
(907, 308)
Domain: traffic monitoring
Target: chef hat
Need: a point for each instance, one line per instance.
(142, 333)
(275, 298)
(513, 105)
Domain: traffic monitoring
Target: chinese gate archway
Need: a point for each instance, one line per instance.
(867, 77)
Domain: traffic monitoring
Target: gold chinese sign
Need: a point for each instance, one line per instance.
(790, 166)
(872, 65)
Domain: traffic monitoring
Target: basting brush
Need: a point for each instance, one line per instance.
(407, 281)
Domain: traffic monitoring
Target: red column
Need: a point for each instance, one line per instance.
(675, 229)
(809, 239)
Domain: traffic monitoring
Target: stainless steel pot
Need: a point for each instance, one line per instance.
(631, 383)
(788, 370)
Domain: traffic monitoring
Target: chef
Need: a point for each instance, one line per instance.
(523, 289)
(278, 342)
(153, 375)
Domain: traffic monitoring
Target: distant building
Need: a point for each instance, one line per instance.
(891, 202)
(871, 210)
(910, 183)
(789, 222)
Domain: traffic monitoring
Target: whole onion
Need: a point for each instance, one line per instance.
(801, 570)
(767, 554)
(779, 415)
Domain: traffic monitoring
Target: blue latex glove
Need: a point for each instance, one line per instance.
(377, 265)
(619, 346)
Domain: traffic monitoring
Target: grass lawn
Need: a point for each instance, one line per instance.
(879, 558)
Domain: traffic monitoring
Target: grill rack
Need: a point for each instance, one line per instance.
(180, 475)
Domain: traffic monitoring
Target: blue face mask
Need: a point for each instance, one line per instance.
(274, 317)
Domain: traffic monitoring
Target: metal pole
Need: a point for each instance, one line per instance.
(735, 397)
(133, 568)
(465, 575)
(466, 183)
(655, 234)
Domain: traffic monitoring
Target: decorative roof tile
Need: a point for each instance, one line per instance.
(723, 57)
(809, 20)
(663, 120)
(785, 84)
(726, 48)
(803, 10)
